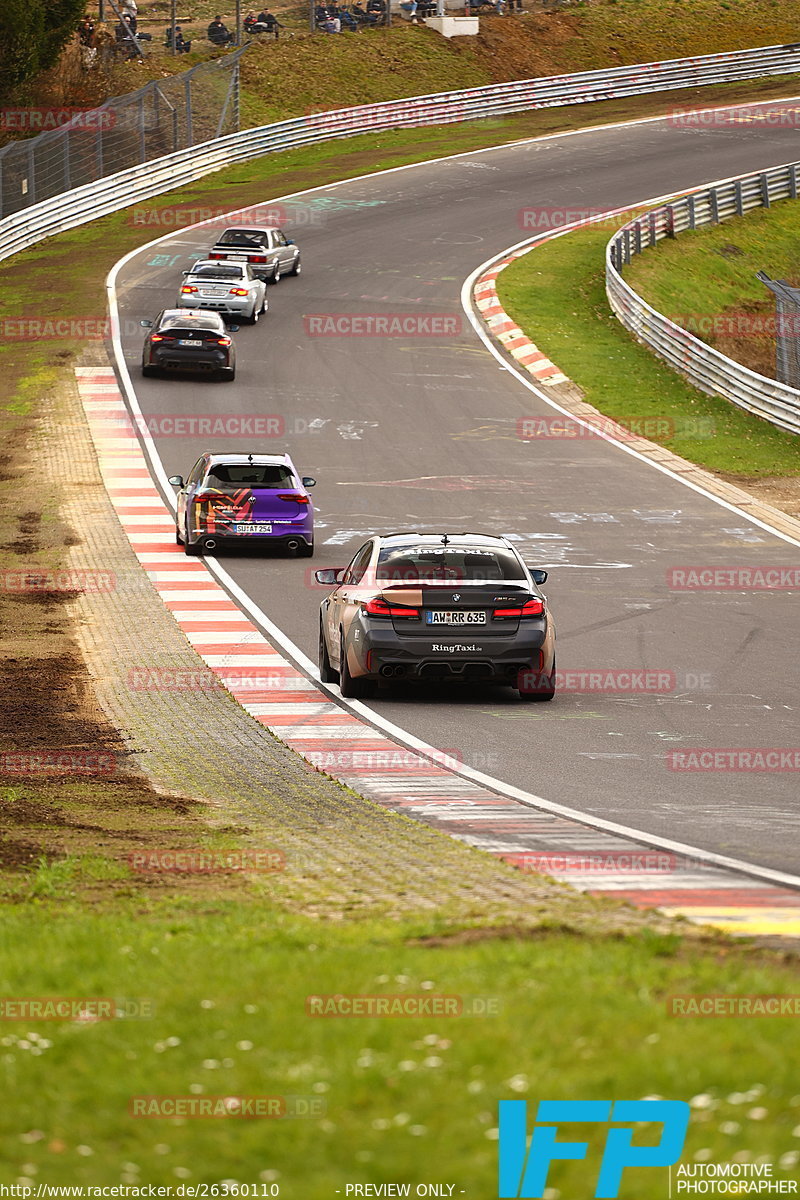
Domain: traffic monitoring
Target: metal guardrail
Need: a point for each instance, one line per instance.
(103, 196)
(702, 365)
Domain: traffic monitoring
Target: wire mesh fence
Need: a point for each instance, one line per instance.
(787, 329)
(163, 117)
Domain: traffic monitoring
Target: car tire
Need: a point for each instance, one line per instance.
(149, 371)
(192, 549)
(326, 671)
(276, 274)
(542, 693)
(296, 269)
(305, 550)
(252, 319)
(351, 689)
(178, 538)
(228, 375)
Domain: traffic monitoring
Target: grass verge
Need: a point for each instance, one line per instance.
(557, 295)
(706, 281)
(218, 997)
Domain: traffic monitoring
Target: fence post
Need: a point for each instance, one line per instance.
(187, 88)
(714, 198)
(793, 181)
(142, 137)
(31, 180)
(763, 179)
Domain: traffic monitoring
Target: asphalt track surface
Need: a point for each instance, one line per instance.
(421, 433)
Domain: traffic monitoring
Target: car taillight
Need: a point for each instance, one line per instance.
(378, 607)
(161, 337)
(217, 255)
(187, 288)
(531, 608)
(223, 341)
(296, 497)
(256, 258)
(238, 291)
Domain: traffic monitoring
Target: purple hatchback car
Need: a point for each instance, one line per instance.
(229, 498)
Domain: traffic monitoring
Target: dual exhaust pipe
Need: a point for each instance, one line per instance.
(390, 672)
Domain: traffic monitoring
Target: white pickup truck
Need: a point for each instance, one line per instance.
(269, 251)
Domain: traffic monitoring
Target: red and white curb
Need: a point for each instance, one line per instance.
(517, 343)
(305, 717)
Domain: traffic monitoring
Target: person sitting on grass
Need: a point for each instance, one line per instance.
(267, 22)
(218, 33)
(174, 37)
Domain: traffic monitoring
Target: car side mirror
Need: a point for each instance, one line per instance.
(309, 481)
(234, 328)
(146, 324)
(176, 480)
(539, 576)
(290, 242)
(330, 575)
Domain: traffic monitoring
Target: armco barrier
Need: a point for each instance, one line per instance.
(83, 204)
(703, 366)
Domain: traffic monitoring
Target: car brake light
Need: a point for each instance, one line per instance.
(217, 255)
(257, 258)
(297, 497)
(378, 607)
(156, 337)
(223, 341)
(188, 288)
(531, 608)
(238, 291)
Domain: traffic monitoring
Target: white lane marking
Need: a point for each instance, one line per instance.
(294, 651)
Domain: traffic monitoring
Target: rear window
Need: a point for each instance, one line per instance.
(220, 272)
(180, 327)
(255, 475)
(242, 237)
(450, 564)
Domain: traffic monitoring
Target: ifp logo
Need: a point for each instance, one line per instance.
(523, 1169)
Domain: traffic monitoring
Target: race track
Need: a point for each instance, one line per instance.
(421, 433)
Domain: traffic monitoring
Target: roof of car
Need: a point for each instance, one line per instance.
(261, 460)
(218, 264)
(250, 229)
(454, 539)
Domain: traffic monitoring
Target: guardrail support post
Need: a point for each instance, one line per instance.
(637, 231)
(713, 196)
(764, 181)
(669, 221)
(691, 211)
(793, 181)
(737, 193)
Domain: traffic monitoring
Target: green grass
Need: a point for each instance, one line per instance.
(557, 295)
(711, 272)
(407, 1099)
